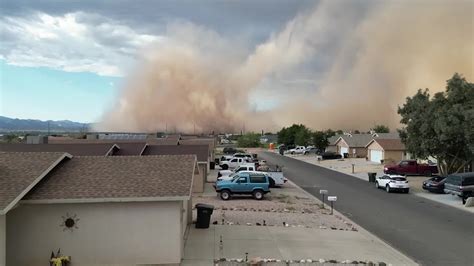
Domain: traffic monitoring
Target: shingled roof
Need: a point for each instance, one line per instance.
(130, 148)
(201, 151)
(389, 144)
(96, 149)
(21, 171)
(117, 178)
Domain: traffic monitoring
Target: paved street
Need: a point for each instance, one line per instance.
(429, 232)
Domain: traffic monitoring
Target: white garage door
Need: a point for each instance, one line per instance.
(344, 150)
(376, 156)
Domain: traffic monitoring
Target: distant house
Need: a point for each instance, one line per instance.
(100, 210)
(332, 143)
(386, 150)
(266, 139)
(354, 145)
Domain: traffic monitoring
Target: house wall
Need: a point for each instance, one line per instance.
(331, 148)
(2, 240)
(361, 152)
(393, 155)
(339, 144)
(106, 234)
(200, 179)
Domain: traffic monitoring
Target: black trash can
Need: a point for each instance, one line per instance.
(204, 212)
(372, 177)
(212, 165)
(346, 155)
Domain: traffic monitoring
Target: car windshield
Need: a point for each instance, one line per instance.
(398, 178)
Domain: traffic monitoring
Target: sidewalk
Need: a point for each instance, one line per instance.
(203, 245)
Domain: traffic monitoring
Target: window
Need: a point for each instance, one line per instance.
(411, 163)
(257, 179)
(468, 181)
(242, 179)
(455, 180)
(233, 160)
(403, 163)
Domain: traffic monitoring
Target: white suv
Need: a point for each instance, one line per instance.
(392, 183)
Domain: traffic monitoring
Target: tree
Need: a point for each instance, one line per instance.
(441, 126)
(381, 129)
(249, 140)
(356, 131)
(303, 136)
(339, 132)
(320, 139)
(295, 134)
(330, 133)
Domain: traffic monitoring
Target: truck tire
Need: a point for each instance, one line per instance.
(225, 167)
(377, 185)
(272, 182)
(258, 194)
(225, 194)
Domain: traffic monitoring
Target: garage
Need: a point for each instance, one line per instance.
(376, 156)
(344, 150)
(388, 150)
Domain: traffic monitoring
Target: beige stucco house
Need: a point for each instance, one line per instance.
(100, 210)
(353, 145)
(384, 150)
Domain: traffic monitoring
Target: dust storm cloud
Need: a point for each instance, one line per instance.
(381, 52)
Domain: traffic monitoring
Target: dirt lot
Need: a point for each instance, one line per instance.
(287, 206)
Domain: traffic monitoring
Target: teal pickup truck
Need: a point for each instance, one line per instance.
(256, 184)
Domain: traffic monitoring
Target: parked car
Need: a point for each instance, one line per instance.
(410, 167)
(276, 177)
(329, 155)
(297, 150)
(253, 183)
(229, 150)
(434, 184)
(232, 163)
(312, 150)
(460, 184)
(392, 183)
(243, 155)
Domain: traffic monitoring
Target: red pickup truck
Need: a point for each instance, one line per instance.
(410, 167)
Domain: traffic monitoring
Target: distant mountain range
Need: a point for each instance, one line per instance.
(15, 124)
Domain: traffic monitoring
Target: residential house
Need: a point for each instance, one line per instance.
(100, 210)
(353, 145)
(384, 150)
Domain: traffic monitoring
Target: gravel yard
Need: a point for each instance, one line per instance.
(286, 206)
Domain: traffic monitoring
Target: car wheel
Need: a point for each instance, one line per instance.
(258, 194)
(407, 190)
(427, 173)
(225, 195)
(377, 185)
(272, 182)
(225, 167)
(387, 188)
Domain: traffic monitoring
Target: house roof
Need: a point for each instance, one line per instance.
(201, 151)
(117, 178)
(96, 149)
(130, 148)
(332, 140)
(21, 171)
(389, 144)
(198, 141)
(356, 140)
(154, 141)
(386, 135)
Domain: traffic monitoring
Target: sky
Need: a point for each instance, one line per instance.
(223, 65)
(66, 59)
